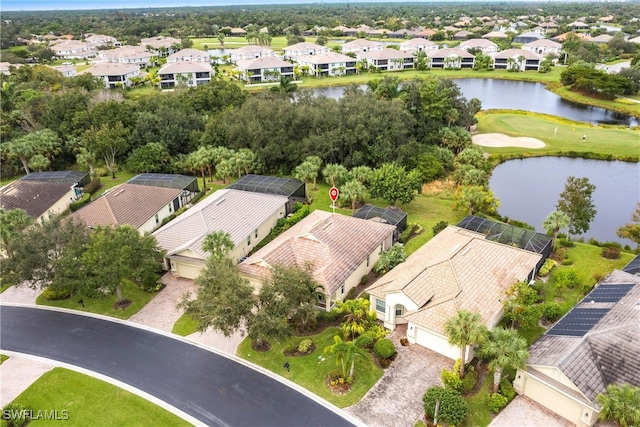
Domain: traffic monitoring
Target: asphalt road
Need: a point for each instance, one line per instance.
(213, 389)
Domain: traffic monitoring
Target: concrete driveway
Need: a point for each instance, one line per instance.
(396, 399)
(524, 412)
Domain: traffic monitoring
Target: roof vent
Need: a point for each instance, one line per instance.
(219, 201)
(466, 251)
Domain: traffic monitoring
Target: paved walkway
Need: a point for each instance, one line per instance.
(17, 374)
(396, 399)
(524, 412)
(20, 295)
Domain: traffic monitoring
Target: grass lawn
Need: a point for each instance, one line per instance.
(311, 371)
(91, 402)
(3, 357)
(620, 105)
(107, 182)
(277, 42)
(185, 325)
(479, 414)
(104, 306)
(616, 141)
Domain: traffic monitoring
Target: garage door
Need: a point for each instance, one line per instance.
(436, 343)
(553, 400)
(186, 270)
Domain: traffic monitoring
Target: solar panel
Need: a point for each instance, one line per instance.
(608, 293)
(578, 322)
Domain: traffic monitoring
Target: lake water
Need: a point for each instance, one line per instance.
(515, 95)
(530, 188)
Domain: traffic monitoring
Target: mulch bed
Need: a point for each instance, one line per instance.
(122, 305)
(320, 326)
(265, 346)
(297, 353)
(338, 388)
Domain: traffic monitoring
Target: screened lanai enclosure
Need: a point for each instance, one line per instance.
(188, 184)
(385, 215)
(510, 235)
(68, 177)
(293, 189)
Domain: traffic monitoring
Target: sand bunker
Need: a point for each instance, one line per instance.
(502, 140)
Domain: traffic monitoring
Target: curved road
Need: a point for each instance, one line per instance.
(212, 388)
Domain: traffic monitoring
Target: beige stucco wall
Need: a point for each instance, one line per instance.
(189, 269)
(151, 224)
(58, 207)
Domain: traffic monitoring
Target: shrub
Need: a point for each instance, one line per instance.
(15, 415)
(566, 243)
(470, 379)
(93, 186)
(351, 294)
(566, 279)
(390, 259)
(407, 233)
(55, 294)
(150, 282)
(439, 227)
(567, 261)
(611, 252)
(552, 311)
(74, 206)
(366, 340)
(560, 254)
(197, 197)
(453, 408)
(384, 348)
(377, 332)
(546, 267)
(496, 402)
(451, 379)
(328, 316)
(304, 345)
(507, 390)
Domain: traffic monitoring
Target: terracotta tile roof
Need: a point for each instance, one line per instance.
(515, 53)
(447, 52)
(262, 63)
(418, 41)
(477, 43)
(325, 58)
(129, 204)
(457, 269)
(542, 43)
(386, 53)
(334, 244)
(35, 197)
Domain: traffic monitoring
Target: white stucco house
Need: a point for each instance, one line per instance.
(418, 44)
(189, 55)
(543, 47)
(251, 52)
(137, 55)
(388, 59)
(485, 45)
(304, 49)
(361, 45)
(185, 73)
(327, 64)
(114, 74)
(73, 49)
(451, 58)
(457, 270)
(264, 69)
(517, 59)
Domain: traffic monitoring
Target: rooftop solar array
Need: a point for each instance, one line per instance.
(166, 180)
(390, 216)
(608, 292)
(270, 185)
(69, 177)
(578, 321)
(633, 267)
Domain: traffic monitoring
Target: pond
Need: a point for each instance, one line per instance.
(529, 189)
(516, 95)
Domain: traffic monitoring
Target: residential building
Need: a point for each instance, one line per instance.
(293, 189)
(247, 217)
(388, 59)
(458, 269)
(5, 67)
(137, 55)
(426, 33)
(495, 35)
(162, 46)
(304, 49)
(597, 343)
(543, 47)
(114, 74)
(462, 35)
(635, 40)
(418, 44)
(602, 39)
(66, 70)
(527, 37)
(73, 49)
(142, 207)
(328, 64)
(264, 69)
(340, 250)
(237, 32)
(486, 46)
(578, 26)
(251, 52)
(101, 40)
(451, 58)
(402, 34)
(549, 27)
(517, 59)
(361, 45)
(562, 37)
(189, 55)
(190, 74)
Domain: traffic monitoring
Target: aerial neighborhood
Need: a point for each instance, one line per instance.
(403, 214)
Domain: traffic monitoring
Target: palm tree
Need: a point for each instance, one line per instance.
(463, 330)
(346, 353)
(317, 164)
(334, 173)
(554, 222)
(361, 173)
(218, 244)
(306, 171)
(506, 349)
(353, 191)
(286, 86)
(620, 403)
(357, 316)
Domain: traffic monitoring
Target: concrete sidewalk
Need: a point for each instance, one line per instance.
(17, 374)
(20, 295)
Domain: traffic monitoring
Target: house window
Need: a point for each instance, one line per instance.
(399, 310)
(248, 240)
(170, 208)
(157, 219)
(368, 260)
(380, 305)
(342, 290)
(255, 234)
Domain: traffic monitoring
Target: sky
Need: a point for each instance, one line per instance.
(13, 5)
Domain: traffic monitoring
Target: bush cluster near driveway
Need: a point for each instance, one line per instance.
(311, 371)
(91, 402)
(105, 306)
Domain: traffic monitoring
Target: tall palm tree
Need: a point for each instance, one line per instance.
(506, 349)
(357, 316)
(305, 171)
(554, 222)
(334, 173)
(218, 244)
(346, 353)
(317, 164)
(620, 403)
(463, 330)
(353, 191)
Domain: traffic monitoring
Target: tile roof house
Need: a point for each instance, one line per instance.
(114, 74)
(361, 45)
(247, 217)
(495, 35)
(66, 70)
(517, 59)
(485, 45)
(304, 49)
(138, 55)
(595, 344)
(418, 44)
(250, 52)
(73, 49)
(328, 64)
(456, 270)
(264, 69)
(101, 40)
(140, 206)
(341, 250)
(527, 37)
(190, 55)
(426, 33)
(188, 73)
(543, 47)
(462, 35)
(388, 59)
(451, 58)
(161, 45)
(602, 38)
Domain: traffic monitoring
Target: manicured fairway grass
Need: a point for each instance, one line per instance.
(91, 402)
(311, 371)
(617, 141)
(105, 306)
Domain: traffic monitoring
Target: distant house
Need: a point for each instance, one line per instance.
(402, 34)
(328, 64)
(190, 74)
(595, 344)
(361, 45)
(527, 37)
(137, 55)
(450, 58)
(66, 70)
(543, 47)
(247, 217)
(142, 207)
(457, 269)
(517, 59)
(635, 40)
(251, 52)
(101, 40)
(462, 35)
(418, 44)
(73, 49)
(340, 250)
(114, 74)
(5, 67)
(237, 32)
(292, 189)
(162, 46)
(562, 37)
(189, 55)
(304, 49)
(264, 69)
(188, 185)
(549, 27)
(388, 59)
(426, 33)
(43, 194)
(578, 26)
(495, 35)
(486, 46)
(602, 39)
